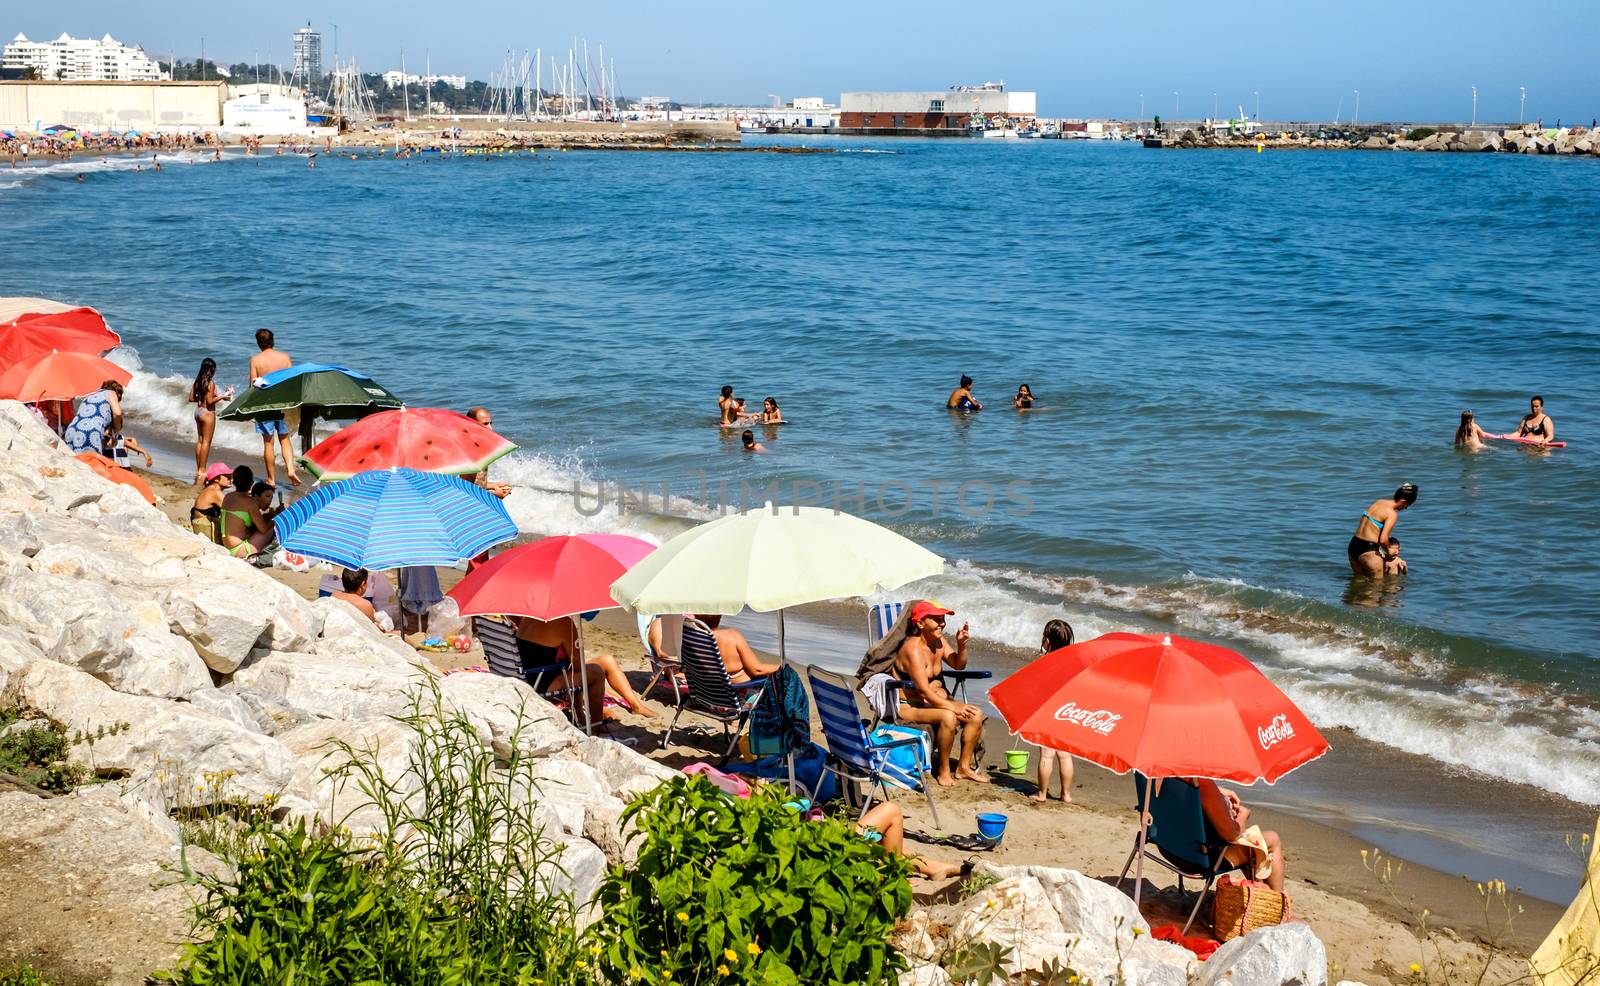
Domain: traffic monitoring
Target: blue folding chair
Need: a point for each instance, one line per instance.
(711, 692)
(853, 755)
(663, 669)
(1179, 832)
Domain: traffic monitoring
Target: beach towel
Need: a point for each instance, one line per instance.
(810, 771)
(879, 658)
(883, 699)
(781, 721)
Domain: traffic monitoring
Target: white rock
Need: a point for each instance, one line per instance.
(17, 651)
(386, 744)
(221, 619)
(1014, 913)
(569, 779)
(583, 866)
(627, 772)
(170, 736)
(925, 974)
(1085, 906)
(353, 684)
(494, 703)
(236, 710)
(1283, 955)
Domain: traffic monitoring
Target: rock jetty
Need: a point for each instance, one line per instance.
(1571, 141)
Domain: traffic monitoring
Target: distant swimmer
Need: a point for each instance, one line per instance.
(80, 179)
(1369, 547)
(1468, 434)
(770, 414)
(1024, 398)
(750, 443)
(724, 401)
(961, 398)
(1536, 424)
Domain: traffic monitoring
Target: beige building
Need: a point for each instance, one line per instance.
(115, 106)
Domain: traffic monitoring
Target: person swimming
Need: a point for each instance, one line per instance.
(1468, 434)
(770, 415)
(1537, 424)
(1024, 398)
(750, 443)
(961, 398)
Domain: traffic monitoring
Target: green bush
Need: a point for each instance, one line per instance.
(37, 755)
(741, 892)
(1420, 133)
(456, 888)
(21, 975)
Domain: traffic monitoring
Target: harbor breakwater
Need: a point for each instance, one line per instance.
(1570, 141)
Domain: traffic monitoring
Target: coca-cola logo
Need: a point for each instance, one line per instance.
(1098, 720)
(1274, 732)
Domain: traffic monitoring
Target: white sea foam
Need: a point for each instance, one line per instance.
(88, 164)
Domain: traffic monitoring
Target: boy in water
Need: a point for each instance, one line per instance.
(1393, 564)
(750, 443)
(961, 398)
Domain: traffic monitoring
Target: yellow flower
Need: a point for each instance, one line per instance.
(580, 964)
(666, 975)
(594, 949)
(683, 916)
(753, 948)
(730, 955)
(1415, 967)
(1137, 932)
(722, 970)
(634, 974)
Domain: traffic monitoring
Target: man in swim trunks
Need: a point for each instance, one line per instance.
(961, 397)
(271, 360)
(485, 417)
(921, 659)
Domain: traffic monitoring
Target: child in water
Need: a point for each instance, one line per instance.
(1393, 564)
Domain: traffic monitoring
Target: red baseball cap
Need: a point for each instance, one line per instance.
(925, 608)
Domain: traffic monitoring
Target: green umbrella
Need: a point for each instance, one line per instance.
(319, 390)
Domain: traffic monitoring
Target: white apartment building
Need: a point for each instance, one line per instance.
(396, 78)
(307, 47)
(81, 60)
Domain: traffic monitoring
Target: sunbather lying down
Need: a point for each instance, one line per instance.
(889, 822)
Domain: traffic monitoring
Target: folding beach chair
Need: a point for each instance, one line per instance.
(1184, 840)
(667, 670)
(499, 641)
(711, 692)
(881, 618)
(853, 755)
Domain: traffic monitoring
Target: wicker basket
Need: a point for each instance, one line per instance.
(1239, 907)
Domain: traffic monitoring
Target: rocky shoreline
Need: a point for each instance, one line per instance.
(1571, 141)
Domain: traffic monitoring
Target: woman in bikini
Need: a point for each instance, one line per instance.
(204, 396)
(1537, 424)
(1370, 545)
(244, 531)
(205, 517)
(542, 643)
(770, 414)
(1024, 398)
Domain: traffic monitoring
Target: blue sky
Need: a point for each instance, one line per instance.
(1411, 60)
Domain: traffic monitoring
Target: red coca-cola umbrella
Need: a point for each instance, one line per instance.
(78, 330)
(1161, 705)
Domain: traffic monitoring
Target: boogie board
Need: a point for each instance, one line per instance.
(1526, 441)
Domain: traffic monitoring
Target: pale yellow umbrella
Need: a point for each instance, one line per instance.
(769, 558)
(1571, 953)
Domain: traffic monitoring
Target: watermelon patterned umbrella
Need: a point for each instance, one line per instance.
(428, 439)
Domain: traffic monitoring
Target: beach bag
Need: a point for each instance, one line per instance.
(1240, 906)
(903, 764)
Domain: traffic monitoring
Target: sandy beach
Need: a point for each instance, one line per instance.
(1368, 936)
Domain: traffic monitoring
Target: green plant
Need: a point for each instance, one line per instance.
(37, 755)
(454, 886)
(21, 975)
(737, 892)
(978, 964)
(976, 884)
(1420, 133)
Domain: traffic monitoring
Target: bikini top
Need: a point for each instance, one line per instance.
(1375, 522)
(1528, 429)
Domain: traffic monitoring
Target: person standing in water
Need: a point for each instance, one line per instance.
(1369, 547)
(1468, 434)
(961, 398)
(1536, 424)
(205, 398)
(1024, 398)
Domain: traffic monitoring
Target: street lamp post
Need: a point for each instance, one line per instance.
(1258, 105)
(1356, 120)
(1474, 106)
(1174, 110)
(1522, 104)
(1214, 109)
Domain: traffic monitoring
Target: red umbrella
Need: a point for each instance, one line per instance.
(1164, 706)
(1161, 705)
(110, 470)
(428, 439)
(78, 330)
(58, 376)
(550, 579)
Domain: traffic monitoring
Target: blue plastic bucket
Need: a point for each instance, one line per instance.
(991, 826)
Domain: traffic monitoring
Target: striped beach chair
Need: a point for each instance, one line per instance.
(711, 693)
(499, 641)
(854, 755)
(880, 618)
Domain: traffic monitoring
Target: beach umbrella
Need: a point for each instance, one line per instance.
(13, 305)
(32, 333)
(394, 518)
(429, 439)
(770, 558)
(57, 376)
(1161, 705)
(551, 579)
(117, 474)
(335, 391)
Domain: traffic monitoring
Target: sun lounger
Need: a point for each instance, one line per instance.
(1179, 833)
(711, 692)
(852, 752)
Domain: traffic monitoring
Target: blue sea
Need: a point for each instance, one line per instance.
(1233, 354)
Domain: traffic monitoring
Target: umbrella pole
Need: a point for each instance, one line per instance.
(583, 682)
(783, 662)
(1144, 826)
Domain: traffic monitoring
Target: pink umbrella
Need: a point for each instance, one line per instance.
(550, 579)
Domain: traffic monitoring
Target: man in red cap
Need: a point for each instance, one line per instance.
(921, 659)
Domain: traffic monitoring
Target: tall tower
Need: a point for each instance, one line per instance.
(308, 54)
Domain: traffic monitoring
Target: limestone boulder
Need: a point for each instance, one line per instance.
(17, 651)
(123, 735)
(1085, 906)
(222, 620)
(213, 702)
(320, 749)
(1283, 955)
(1015, 913)
(626, 773)
(510, 714)
(347, 683)
(582, 868)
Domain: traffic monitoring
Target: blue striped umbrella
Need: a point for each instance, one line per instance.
(395, 518)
